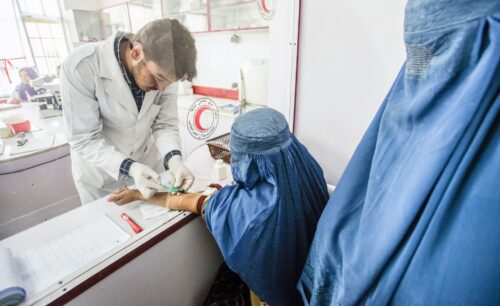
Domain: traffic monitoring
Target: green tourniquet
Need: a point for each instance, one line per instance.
(172, 189)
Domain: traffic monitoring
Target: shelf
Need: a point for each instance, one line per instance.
(232, 30)
(232, 4)
(195, 11)
(228, 16)
(202, 13)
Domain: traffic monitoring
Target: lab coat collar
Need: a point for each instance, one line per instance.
(109, 67)
(111, 73)
(149, 98)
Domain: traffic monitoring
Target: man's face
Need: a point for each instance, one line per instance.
(149, 76)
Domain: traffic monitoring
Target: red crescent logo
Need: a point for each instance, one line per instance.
(202, 118)
(197, 117)
(264, 6)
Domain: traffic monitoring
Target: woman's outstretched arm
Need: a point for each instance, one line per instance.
(185, 202)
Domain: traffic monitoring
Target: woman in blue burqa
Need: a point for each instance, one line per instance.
(414, 219)
(265, 222)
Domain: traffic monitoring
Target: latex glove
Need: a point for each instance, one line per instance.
(183, 178)
(146, 179)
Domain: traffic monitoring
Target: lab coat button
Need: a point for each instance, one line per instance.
(131, 152)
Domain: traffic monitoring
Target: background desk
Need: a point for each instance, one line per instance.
(35, 186)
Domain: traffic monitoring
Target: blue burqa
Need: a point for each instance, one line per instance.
(415, 218)
(265, 222)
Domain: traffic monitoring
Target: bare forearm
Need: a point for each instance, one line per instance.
(159, 198)
(184, 202)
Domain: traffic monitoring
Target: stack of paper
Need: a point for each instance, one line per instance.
(50, 261)
(11, 286)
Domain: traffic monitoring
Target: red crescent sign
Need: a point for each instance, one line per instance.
(197, 117)
(201, 126)
(264, 6)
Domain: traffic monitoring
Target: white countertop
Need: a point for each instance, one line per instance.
(201, 164)
(40, 127)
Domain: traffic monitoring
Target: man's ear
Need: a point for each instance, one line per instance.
(137, 52)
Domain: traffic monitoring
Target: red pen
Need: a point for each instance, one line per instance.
(135, 227)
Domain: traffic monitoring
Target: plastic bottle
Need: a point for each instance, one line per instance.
(220, 169)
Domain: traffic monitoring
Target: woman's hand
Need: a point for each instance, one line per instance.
(124, 196)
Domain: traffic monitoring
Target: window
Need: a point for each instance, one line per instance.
(47, 42)
(42, 21)
(14, 51)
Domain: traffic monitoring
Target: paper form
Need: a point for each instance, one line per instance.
(149, 211)
(49, 261)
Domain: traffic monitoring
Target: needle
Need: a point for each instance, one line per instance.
(172, 189)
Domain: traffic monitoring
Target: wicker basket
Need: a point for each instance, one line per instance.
(219, 147)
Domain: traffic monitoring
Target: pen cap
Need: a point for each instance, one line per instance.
(135, 227)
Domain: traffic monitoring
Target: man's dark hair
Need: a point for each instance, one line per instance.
(170, 45)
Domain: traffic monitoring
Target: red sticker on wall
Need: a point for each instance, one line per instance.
(266, 8)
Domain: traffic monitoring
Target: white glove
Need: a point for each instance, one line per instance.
(146, 179)
(183, 178)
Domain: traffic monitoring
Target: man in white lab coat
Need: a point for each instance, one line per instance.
(120, 109)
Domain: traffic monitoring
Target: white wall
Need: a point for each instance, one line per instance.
(350, 52)
(86, 5)
(283, 57)
(219, 59)
(108, 3)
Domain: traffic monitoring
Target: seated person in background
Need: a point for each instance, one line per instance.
(265, 222)
(25, 90)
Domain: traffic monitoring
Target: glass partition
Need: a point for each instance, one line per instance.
(233, 46)
(235, 62)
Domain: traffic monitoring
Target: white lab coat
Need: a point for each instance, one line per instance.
(103, 124)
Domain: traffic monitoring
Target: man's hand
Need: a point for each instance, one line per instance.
(146, 179)
(183, 178)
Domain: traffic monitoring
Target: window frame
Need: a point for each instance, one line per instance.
(50, 57)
